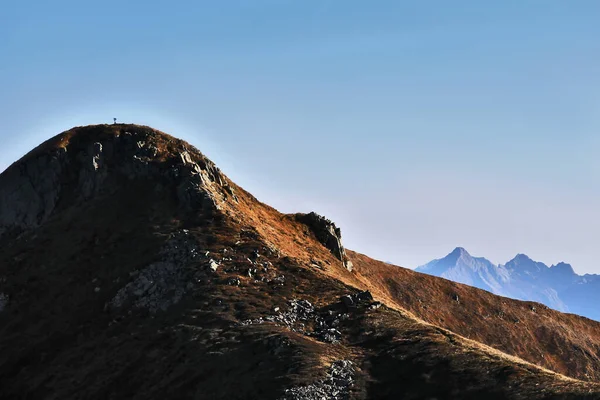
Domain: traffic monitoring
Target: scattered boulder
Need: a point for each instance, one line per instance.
(349, 265)
(335, 386)
(302, 317)
(162, 283)
(330, 335)
(213, 265)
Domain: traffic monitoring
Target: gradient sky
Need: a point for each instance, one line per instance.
(417, 126)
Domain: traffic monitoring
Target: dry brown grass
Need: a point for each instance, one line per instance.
(566, 343)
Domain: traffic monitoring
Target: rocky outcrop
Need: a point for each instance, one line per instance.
(93, 160)
(92, 172)
(352, 301)
(29, 191)
(202, 186)
(162, 283)
(327, 234)
(196, 190)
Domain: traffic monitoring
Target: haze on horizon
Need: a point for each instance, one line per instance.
(416, 126)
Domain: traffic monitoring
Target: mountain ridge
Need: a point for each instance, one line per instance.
(521, 278)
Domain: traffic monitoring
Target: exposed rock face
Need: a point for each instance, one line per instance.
(162, 283)
(193, 179)
(92, 172)
(327, 234)
(30, 191)
(33, 188)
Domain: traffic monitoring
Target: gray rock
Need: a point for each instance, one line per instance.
(30, 190)
(355, 300)
(202, 186)
(162, 283)
(327, 234)
(213, 265)
(92, 173)
(349, 265)
(335, 386)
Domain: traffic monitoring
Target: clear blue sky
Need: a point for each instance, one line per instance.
(417, 126)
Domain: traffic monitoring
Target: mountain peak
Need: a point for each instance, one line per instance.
(522, 256)
(563, 268)
(459, 251)
(521, 260)
(86, 163)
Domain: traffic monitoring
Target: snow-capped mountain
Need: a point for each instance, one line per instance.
(557, 286)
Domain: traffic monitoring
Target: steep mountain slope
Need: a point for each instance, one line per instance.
(562, 342)
(131, 267)
(557, 286)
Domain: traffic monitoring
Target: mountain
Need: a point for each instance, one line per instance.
(460, 266)
(557, 286)
(132, 267)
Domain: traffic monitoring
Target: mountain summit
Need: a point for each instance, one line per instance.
(461, 267)
(522, 278)
(132, 267)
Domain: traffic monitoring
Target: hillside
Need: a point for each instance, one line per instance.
(557, 286)
(132, 267)
(566, 343)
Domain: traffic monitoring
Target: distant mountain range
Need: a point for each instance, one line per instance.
(556, 286)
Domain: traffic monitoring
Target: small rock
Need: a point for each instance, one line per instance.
(349, 266)
(336, 385)
(96, 289)
(354, 300)
(213, 265)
